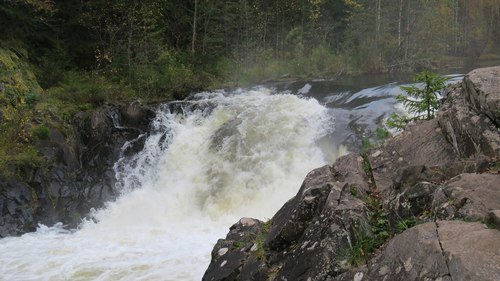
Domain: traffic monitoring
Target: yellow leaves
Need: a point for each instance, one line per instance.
(353, 4)
(7, 60)
(42, 5)
(316, 6)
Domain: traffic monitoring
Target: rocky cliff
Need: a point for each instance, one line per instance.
(424, 205)
(79, 175)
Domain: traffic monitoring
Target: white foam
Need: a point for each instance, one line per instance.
(198, 174)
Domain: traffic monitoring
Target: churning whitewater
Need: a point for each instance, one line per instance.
(207, 162)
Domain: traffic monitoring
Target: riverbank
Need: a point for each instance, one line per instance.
(47, 140)
(392, 213)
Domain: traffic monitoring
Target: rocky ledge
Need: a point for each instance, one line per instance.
(79, 175)
(424, 205)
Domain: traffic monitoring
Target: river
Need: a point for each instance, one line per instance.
(207, 162)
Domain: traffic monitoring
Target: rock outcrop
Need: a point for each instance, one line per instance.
(425, 205)
(444, 250)
(80, 173)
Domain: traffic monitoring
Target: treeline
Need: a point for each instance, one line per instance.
(160, 47)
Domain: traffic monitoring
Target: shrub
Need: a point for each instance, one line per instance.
(423, 101)
(31, 99)
(420, 101)
(79, 88)
(41, 132)
(29, 157)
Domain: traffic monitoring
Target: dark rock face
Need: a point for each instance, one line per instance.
(238, 254)
(432, 174)
(80, 173)
(307, 232)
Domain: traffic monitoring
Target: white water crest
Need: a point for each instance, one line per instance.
(223, 157)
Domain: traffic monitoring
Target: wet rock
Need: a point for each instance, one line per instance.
(79, 176)
(413, 255)
(411, 202)
(325, 225)
(437, 169)
(238, 253)
(349, 168)
(136, 115)
(322, 250)
(293, 218)
(308, 237)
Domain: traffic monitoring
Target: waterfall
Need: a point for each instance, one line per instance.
(207, 162)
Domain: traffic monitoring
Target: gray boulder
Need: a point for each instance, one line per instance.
(422, 144)
(446, 250)
(471, 132)
(467, 196)
(483, 91)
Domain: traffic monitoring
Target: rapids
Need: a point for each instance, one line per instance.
(207, 162)
(216, 158)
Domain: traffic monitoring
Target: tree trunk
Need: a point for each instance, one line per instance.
(377, 32)
(195, 18)
(407, 31)
(400, 18)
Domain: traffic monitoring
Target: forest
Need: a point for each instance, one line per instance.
(167, 48)
(61, 57)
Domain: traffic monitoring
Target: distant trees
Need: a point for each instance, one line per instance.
(144, 43)
(408, 33)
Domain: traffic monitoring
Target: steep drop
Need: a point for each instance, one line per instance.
(208, 162)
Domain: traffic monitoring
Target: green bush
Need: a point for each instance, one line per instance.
(31, 99)
(397, 122)
(41, 132)
(421, 101)
(405, 224)
(79, 88)
(29, 157)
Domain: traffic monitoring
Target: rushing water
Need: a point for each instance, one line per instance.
(207, 162)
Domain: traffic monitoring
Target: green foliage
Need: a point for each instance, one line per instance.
(397, 122)
(367, 241)
(79, 88)
(32, 99)
(378, 220)
(382, 133)
(238, 245)
(366, 145)
(18, 77)
(405, 224)
(353, 190)
(423, 101)
(494, 167)
(360, 251)
(41, 132)
(29, 158)
(367, 168)
(259, 241)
